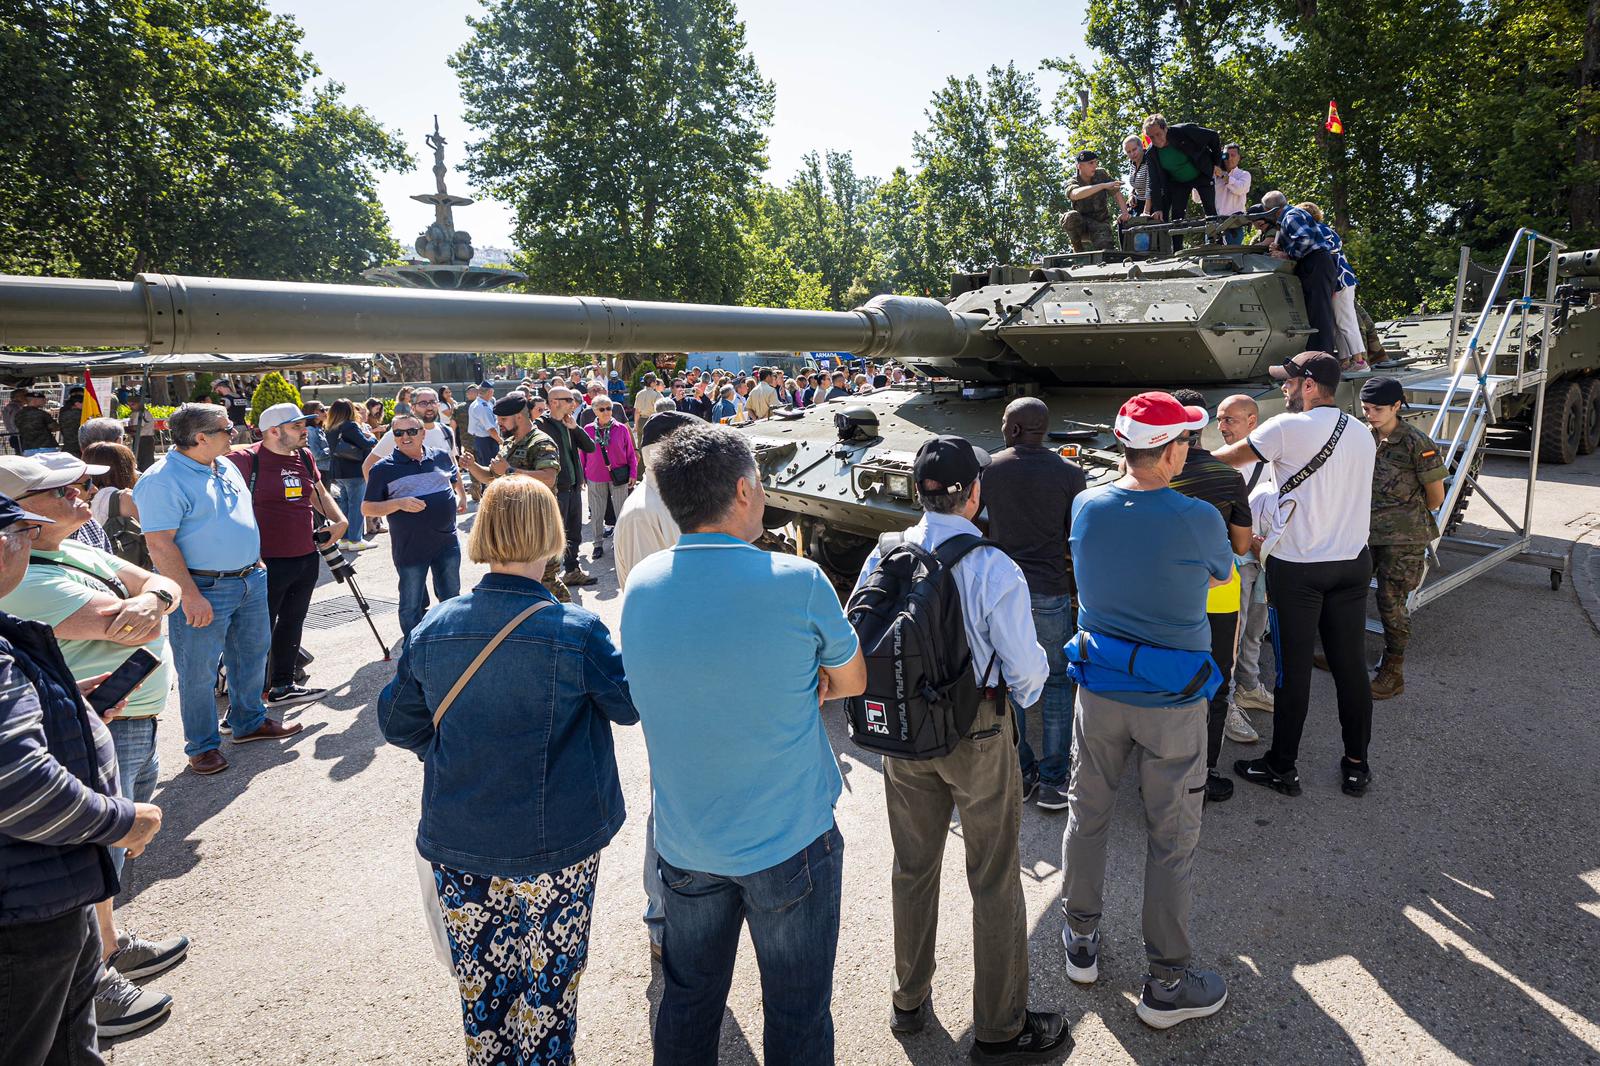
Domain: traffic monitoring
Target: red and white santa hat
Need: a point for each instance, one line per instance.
(1152, 419)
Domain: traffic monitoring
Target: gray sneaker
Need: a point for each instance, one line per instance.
(1083, 955)
(122, 1007)
(1254, 699)
(1197, 994)
(137, 957)
(1238, 729)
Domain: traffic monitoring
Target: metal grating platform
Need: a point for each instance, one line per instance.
(339, 611)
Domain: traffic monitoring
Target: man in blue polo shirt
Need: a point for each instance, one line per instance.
(418, 488)
(744, 781)
(200, 527)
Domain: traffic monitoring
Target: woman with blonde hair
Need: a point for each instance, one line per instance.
(508, 698)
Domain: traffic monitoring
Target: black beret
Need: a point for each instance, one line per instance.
(1382, 392)
(514, 404)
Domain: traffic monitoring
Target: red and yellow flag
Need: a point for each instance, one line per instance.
(91, 401)
(1333, 125)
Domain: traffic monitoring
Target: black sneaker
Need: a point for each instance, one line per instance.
(1258, 772)
(1043, 1036)
(1354, 777)
(1052, 797)
(599, 551)
(1218, 788)
(288, 695)
(906, 1022)
(1030, 784)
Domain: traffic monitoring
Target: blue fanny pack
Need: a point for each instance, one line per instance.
(1110, 664)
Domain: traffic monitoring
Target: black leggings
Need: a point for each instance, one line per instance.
(1330, 598)
(290, 583)
(1224, 632)
(1175, 203)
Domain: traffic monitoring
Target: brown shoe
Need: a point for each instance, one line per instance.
(269, 730)
(208, 762)
(577, 578)
(1390, 680)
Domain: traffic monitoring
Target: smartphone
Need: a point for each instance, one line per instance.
(123, 680)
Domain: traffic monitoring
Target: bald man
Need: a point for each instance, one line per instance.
(1028, 490)
(1236, 417)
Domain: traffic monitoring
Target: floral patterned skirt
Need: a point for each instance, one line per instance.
(519, 948)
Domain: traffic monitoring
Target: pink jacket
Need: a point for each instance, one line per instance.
(619, 449)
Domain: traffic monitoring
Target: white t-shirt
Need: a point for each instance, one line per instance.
(1326, 519)
(433, 437)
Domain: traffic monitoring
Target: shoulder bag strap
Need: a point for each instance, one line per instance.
(1316, 460)
(488, 650)
(114, 584)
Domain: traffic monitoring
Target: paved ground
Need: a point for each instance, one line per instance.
(1453, 914)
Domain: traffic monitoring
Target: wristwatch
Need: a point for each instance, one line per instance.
(166, 598)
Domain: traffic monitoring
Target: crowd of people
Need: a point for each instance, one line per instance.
(210, 554)
(1173, 165)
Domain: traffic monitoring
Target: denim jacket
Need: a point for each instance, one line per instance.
(520, 778)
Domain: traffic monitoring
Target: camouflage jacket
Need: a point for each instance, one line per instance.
(1406, 463)
(536, 451)
(1095, 207)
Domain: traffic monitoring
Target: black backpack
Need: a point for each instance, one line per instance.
(921, 697)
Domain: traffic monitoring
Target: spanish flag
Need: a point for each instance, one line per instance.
(1333, 125)
(91, 402)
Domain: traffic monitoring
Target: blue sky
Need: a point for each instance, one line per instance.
(851, 76)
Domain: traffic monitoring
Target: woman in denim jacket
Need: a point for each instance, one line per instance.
(520, 788)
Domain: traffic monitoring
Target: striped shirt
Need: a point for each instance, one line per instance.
(40, 799)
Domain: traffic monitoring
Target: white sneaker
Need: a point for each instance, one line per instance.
(1253, 699)
(1238, 727)
(362, 545)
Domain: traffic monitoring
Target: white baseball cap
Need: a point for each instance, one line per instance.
(20, 475)
(278, 414)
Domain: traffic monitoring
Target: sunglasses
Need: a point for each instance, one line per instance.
(406, 432)
(220, 429)
(59, 493)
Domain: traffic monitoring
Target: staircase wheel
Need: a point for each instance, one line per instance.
(1563, 423)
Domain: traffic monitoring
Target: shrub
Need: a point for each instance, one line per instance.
(274, 388)
(202, 388)
(637, 382)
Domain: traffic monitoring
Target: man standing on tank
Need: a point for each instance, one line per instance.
(1183, 159)
(1089, 221)
(1028, 490)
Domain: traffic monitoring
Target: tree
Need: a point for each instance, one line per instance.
(163, 135)
(273, 389)
(626, 134)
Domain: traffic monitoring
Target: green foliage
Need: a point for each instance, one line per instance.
(160, 135)
(274, 388)
(202, 387)
(157, 410)
(636, 382)
(626, 134)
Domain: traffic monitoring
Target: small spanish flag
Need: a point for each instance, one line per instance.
(91, 402)
(1333, 125)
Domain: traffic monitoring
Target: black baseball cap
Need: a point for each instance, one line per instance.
(514, 404)
(1088, 155)
(1318, 366)
(1382, 392)
(948, 464)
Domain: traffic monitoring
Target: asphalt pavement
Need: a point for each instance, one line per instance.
(1450, 915)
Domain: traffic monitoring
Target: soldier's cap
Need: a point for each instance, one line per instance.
(514, 404)
(658, 428)
(1088, 155)
(1382, 392)
(1318, 366)
(1155, 419)
(485, 385)
(12, 512)
(21, 475)
(947, 465)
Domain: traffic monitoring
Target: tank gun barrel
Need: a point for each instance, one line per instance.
(169, 314)
(1585, 264)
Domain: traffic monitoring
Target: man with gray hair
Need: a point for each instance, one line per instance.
(743, 778)
(99, 431)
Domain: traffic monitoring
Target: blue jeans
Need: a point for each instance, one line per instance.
(793, 910)
(348, 493)
(1053, 621)
(446, 570)
(240, 635)
(655, 893)
(1233, 236)
(138, 765)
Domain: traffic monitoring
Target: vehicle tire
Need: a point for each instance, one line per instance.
(1453, 523)
(1563, 423)
(1590, 390)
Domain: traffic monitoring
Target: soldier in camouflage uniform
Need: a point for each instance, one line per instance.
(1089, 221)
(526, 449)
(1407, 486)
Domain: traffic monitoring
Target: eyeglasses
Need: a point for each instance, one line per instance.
(220, 429)
(424, 403)
(21, 533)
(406, 432)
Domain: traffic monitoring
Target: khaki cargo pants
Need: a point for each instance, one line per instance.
(1169, 748)
(982, 780)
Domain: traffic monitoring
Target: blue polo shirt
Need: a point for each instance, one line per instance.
(416, 538)
(743, 775)
(208, 506)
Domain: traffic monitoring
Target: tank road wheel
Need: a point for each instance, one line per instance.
(1590, 390)
(1563, 423)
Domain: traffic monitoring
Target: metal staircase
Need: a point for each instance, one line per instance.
(1467, 398)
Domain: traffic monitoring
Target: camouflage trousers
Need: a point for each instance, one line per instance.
(1088, 234)
(1398, 569)
(552, 581)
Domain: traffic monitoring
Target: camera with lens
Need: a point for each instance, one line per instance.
(338, 565)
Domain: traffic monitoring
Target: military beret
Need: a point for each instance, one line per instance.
(1382, 392)
(514, 404)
